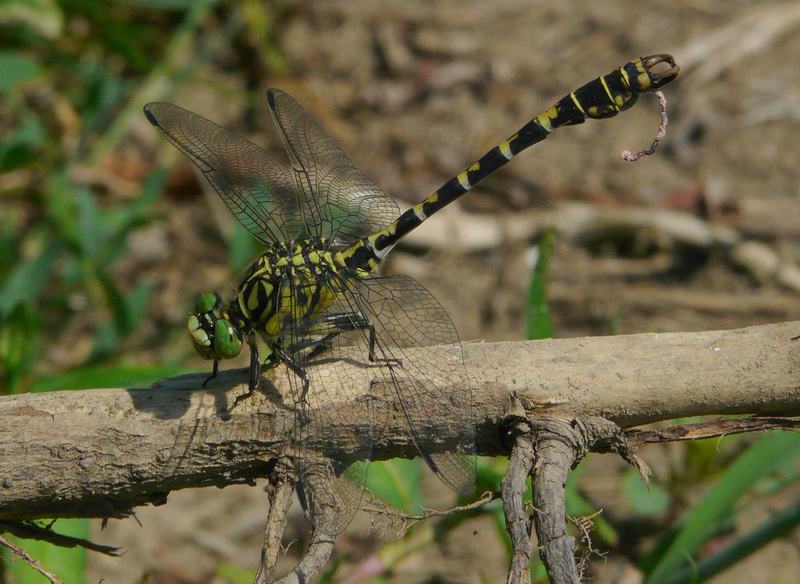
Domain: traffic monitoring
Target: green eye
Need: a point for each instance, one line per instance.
(206, 303)
(227, 340)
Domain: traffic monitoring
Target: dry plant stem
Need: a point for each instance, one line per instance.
(30, 530)
(518, 524)
(377, 508)
(711, 429)
(662, 131)
(23, 555)
(281, 488)
(101, 453)
(318, 554)
(555, 456)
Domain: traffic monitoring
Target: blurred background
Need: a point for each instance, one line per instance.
(107, 236)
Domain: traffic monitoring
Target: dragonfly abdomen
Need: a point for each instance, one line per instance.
(601, 98)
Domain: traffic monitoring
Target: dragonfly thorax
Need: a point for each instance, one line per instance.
(289, 285)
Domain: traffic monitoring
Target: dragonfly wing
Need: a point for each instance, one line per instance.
(331, 482)
(331, 490)
(405, 315)
(340, 202)
(257, 188)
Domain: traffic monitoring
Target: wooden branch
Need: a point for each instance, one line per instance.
(513, 486)
(280, 492)
(100, 453)
(556, 454)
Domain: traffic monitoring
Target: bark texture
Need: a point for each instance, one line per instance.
(100, 453)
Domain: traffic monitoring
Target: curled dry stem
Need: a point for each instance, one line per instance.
(662, 131)
(379, 508)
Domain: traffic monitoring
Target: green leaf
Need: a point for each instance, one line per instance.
(770, 452)
(89, 228)
(107, 336)
(66, 563)
(119, 223)
(16, 68)
(152, 187)
(18, 148)
(650, 502)
(136, 305)
(537, 315)
(26, 279)
(397, 481)
(61, 208)
(777, 526)
(19, 342)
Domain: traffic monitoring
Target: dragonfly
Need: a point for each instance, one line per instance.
(316, 294)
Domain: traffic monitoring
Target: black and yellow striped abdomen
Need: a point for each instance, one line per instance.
(601, 98)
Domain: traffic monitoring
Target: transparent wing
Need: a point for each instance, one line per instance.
(338, 201)
(257, 188)
(331, 482)
(404, 316)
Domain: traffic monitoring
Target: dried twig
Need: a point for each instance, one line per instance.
(518, 523)
(662, 131)
(280, 497)
(23, 555)
(556, 454)
(379, 508)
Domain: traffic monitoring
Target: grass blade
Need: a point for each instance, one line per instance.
(770, 452)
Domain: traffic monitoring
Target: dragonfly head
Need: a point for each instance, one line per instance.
(213, 336)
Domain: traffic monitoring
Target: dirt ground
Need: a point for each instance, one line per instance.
(703, 235)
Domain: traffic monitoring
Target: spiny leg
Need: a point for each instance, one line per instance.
(255, 370)
(342, 323)
(296, 367)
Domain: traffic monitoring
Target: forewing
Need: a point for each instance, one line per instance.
(257, 188)
(339, 202)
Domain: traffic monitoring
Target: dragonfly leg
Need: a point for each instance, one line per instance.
(296, 368)
(214, 372)
(255, 369)
(341, 323)
(373, 357)
(330, 326)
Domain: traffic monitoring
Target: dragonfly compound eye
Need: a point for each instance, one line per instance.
(227, 340)
(208, 303)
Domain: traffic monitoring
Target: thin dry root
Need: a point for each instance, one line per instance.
(662, 131)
